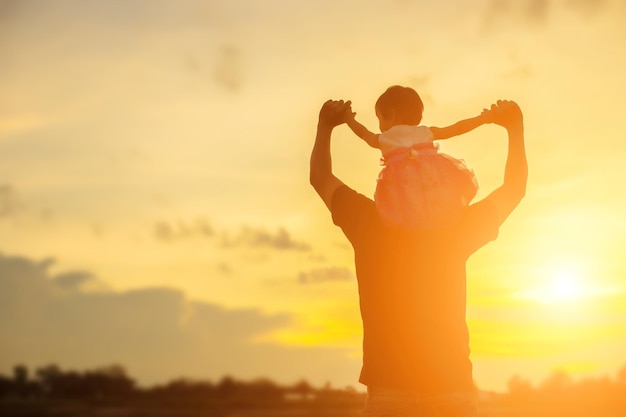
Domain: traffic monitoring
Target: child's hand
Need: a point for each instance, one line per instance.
(349, 114)
(488, 115)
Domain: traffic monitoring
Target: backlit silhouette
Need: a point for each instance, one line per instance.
(412, 280)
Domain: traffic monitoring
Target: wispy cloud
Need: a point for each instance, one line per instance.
(8, 10)
(224, 268)
(169, 232)
(506, 12)
(72, 280)
(587, 8)
(320, 275)
(537, 10)
(246, 237)
(9, 202)
(79, 281)
(521, 72)
(228, 71)
(261, 238)
(501, 13)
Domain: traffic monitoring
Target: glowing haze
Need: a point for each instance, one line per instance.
(154, 201)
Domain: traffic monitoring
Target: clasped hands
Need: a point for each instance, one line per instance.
(505, 113)
(335, 112)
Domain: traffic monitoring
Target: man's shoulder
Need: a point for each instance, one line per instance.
(486, 206)
(346, 196)
(350, 209)
(479, 225)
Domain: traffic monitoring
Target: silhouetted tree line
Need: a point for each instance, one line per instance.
(112, 385)
(599, 395)
(51, 382)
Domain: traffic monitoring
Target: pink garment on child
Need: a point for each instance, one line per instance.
(419, 187)
(403, 136)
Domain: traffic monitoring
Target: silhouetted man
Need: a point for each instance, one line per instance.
(412, 282)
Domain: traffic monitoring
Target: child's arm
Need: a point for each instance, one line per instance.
(460, 127)
(362, 132)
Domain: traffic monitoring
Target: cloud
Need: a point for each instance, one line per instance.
(587, 7)
(169, 232)
(260, 238)
(520, 72)
(224, 268)
(228, 69)
(495, 9)
(246, 237)
(506, 12)
(97, 229)
(156, 333)
(318, 258)
(537, 10)
(72, 280)
(80, 281)
(9, 204)
(8, 10)
(325, 275)
(524, 11)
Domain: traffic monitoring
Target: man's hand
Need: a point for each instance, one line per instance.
(506, 114)
(334, 113)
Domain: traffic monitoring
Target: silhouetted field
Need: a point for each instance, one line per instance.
(77, 410)
(110, 392)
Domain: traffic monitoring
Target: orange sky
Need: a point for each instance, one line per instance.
(158, 153)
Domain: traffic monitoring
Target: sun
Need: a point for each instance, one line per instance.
(559, 284)
(566, 284)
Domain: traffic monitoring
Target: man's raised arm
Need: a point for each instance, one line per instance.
(321, 176)
(508, 114)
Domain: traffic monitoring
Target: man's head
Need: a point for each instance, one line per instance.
(399, 106)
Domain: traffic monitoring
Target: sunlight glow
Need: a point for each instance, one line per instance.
(561, 284)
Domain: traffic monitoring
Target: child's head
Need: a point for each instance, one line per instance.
(399, 106)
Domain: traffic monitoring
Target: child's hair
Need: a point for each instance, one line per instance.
(403, 102)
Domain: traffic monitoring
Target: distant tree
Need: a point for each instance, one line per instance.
(519, 387)
(21, 385)
(70, 385)
(557, 381)
(227, 387)
(303, 388)
(263, 388)
(621, 377)
(6, 386)
(48, 377)
(20, 375)
(107, 382)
